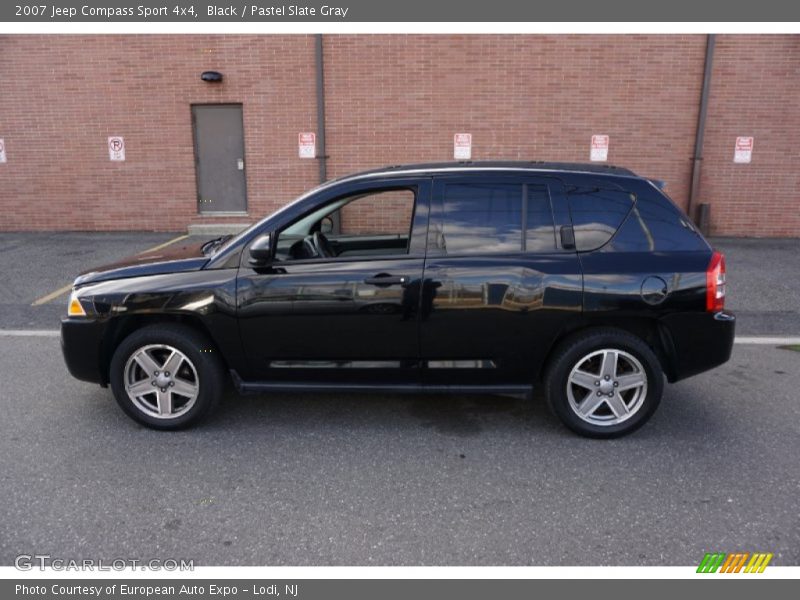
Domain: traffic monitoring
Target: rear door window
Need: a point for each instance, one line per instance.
(485, 218)
(539, 229)
(482, 218)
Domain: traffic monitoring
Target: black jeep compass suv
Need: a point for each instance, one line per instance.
(465, 278)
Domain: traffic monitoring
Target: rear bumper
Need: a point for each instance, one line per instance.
(81, 342)
(697, 342)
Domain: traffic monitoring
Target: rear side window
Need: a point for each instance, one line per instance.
(496, 218)
(656, 224)
(597, 214)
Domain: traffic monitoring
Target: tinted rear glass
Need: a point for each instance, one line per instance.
(656, 224)
(597, 213)
(488, 218)
(539, 228)
(482, 218)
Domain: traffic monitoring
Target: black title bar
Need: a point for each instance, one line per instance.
(188, 11)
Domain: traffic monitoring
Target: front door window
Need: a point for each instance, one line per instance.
(373, 223)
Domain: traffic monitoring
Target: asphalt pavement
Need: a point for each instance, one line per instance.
(34, 265)
(392, 480)
(763, 284)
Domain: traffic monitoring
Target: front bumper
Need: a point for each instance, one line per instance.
(697, 342)
(81, 344)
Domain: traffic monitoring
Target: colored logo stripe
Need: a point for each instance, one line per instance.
(758, 563)
(734, 562)
(711, 562)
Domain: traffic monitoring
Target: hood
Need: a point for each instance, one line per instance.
(173, 259)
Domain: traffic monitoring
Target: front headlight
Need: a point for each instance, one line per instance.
(75, 308)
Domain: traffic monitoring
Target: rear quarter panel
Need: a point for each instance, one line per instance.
(653, 270)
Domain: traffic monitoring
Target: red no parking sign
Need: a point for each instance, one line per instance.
(462, 146)
(743, 151)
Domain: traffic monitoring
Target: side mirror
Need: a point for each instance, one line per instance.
(326, 225)
(261, 249)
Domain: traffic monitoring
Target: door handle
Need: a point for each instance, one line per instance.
(567, 237)
(384, 279)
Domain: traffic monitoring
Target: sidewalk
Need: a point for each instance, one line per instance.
(763, 276)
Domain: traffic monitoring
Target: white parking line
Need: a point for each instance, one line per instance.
(29, 333)
(768, 341)
(746, 339)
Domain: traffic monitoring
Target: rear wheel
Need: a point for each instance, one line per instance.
(166, 376)
(604, 383)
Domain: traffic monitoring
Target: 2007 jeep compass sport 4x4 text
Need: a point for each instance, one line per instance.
(476, 277)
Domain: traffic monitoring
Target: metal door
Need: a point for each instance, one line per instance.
(499, 291)
(219, 158)
(343, 319)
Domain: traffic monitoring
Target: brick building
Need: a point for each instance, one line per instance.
(389, 99)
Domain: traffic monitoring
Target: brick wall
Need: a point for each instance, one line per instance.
(64, 95)
(383, 213)
(755, 91)
(389, 100)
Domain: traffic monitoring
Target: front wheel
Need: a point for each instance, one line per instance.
(604, 383)
(166, 377)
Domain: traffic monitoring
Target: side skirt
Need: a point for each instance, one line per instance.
(255, 387)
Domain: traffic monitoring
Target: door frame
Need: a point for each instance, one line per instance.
(416, 253)
(196, 159)
(488, 367)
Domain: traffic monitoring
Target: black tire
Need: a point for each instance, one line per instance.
(201, 366)
(574, 352)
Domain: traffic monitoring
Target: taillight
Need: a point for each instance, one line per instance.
(715, 283)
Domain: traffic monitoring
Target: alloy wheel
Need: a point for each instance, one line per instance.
(161, 381)
(607, 387)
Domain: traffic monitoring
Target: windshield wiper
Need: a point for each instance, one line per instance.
(211, 245)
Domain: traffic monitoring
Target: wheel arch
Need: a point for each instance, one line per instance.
(649, 330)
(123, 326)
